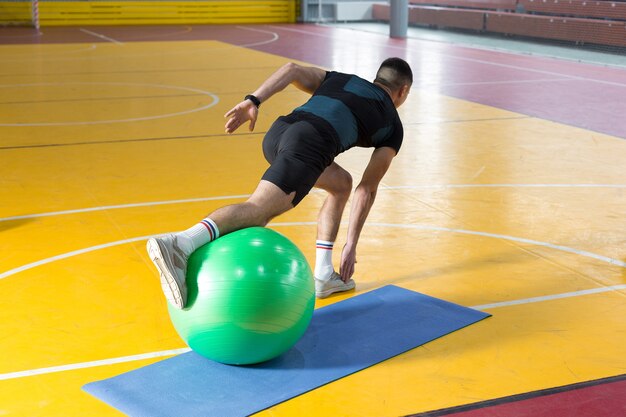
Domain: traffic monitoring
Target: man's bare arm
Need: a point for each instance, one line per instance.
(362, 201)
(307, 79)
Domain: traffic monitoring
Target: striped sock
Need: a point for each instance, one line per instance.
(323, 260)
(199, 234)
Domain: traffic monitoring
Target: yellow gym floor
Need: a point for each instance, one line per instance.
(104, 144)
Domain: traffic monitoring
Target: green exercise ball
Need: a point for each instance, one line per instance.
(250, 297)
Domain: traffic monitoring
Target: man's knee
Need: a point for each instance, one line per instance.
(257, 214)
(336, 180)
(269, 201)
(344, 184)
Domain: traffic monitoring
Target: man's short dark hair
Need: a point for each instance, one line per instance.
(394, 73)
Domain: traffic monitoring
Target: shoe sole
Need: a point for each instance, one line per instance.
(345, 287)
(168, 283)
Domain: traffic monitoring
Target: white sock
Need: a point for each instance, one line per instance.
(323, 260)
(201, 233)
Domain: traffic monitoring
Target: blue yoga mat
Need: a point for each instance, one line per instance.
(343, 338)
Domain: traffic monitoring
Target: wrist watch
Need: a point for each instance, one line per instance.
(254, 100)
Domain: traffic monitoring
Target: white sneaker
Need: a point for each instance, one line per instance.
(335, 284)
(171, 262)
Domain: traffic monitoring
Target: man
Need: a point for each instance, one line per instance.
(344, 111)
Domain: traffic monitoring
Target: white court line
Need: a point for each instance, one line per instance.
(82, 365)
(69, 255)
(491, 48)
(211, 49)
(101, 36)
(506, 237)
(495, 82)
(411, 187)
(122, 359)
(40, 371)
(382, 188)
(215, 99)
(480, 61)
(587, 254)
(122, 206)
(275, 37)
(550, 297)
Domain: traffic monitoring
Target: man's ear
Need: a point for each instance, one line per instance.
(405, 89)
(402, 94)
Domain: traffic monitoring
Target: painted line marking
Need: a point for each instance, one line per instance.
(587, 254)
(479, 61)
(275, 37)
(183, 350)
(96, 99)
(550, 297)
(497, 82)
(490, 48)
(105, 362)
(92, 364)
(161, 35)
(406, 187)
(383, 187)
(119, 141)
(101, 36)
(69, 255)
(215, 98)
(506, 237)
(477, 173)
(123, 359)
(122, 206)
(440, 122)
(227, 46)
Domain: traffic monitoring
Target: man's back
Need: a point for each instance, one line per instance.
(353, 111)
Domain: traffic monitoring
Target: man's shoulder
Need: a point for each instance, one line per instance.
(345, 76)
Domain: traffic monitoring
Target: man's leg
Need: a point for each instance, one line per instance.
(267, 202)
(169, 253)
(338, 183)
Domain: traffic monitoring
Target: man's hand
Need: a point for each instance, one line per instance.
(362, 201)
(241, 113)
(348, 259)
(307, 79)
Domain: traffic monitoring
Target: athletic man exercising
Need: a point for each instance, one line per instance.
(344, 111)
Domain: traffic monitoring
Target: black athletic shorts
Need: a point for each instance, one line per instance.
(298, 154)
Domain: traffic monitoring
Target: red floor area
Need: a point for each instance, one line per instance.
(602, 398)
(587, 96)
(583, 95)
